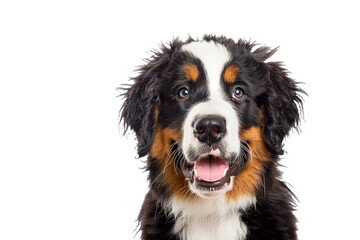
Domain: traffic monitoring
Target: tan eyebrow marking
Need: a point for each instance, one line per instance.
(231, 73)
(191, 72)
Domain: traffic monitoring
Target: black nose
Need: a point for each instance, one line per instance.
(209, 128)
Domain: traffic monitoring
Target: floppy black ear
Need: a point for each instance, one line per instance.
(282, 107)
(141, 97)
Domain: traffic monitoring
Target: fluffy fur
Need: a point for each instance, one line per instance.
(250, 202)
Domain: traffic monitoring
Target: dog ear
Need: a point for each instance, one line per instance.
(139, 109)
(282, 107)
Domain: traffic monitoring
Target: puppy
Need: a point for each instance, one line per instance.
(211, 115)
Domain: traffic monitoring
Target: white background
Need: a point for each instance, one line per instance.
(65, 170)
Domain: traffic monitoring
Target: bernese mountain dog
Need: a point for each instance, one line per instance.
(212, 115)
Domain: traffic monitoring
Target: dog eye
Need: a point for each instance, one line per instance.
(183, 92)
(238, 92)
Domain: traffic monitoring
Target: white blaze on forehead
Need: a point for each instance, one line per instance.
(213, 57)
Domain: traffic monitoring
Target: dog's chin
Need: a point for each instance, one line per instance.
(211, 175)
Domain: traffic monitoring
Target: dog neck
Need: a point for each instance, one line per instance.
(212, 218)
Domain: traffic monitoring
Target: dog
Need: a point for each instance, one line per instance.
(212, 115)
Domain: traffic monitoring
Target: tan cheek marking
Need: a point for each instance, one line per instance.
(191, 72)
(249, 178)
(231, 73)
(174, 179)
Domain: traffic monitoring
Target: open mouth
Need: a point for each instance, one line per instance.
(211, 173)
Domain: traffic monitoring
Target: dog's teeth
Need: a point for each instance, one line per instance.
(195, 173)
(225, 171)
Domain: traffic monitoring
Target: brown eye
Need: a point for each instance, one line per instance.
(238, 92)
(184, 92)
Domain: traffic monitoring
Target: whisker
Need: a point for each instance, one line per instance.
(178, 153)
(166, 160)
(184, 195)
(246, 149)
(181, 189)
(171, 158)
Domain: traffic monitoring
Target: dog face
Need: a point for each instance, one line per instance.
(210, 114)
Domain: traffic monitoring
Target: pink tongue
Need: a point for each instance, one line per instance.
(210, 169)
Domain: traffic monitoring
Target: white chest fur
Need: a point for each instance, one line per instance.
(210, 219)
(212, 228)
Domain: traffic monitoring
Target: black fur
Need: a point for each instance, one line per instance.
(156, 224)
(272, 217)
(281, 107)
(268, 90)
(141, 98)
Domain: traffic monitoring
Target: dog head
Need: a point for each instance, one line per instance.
(210, 114)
